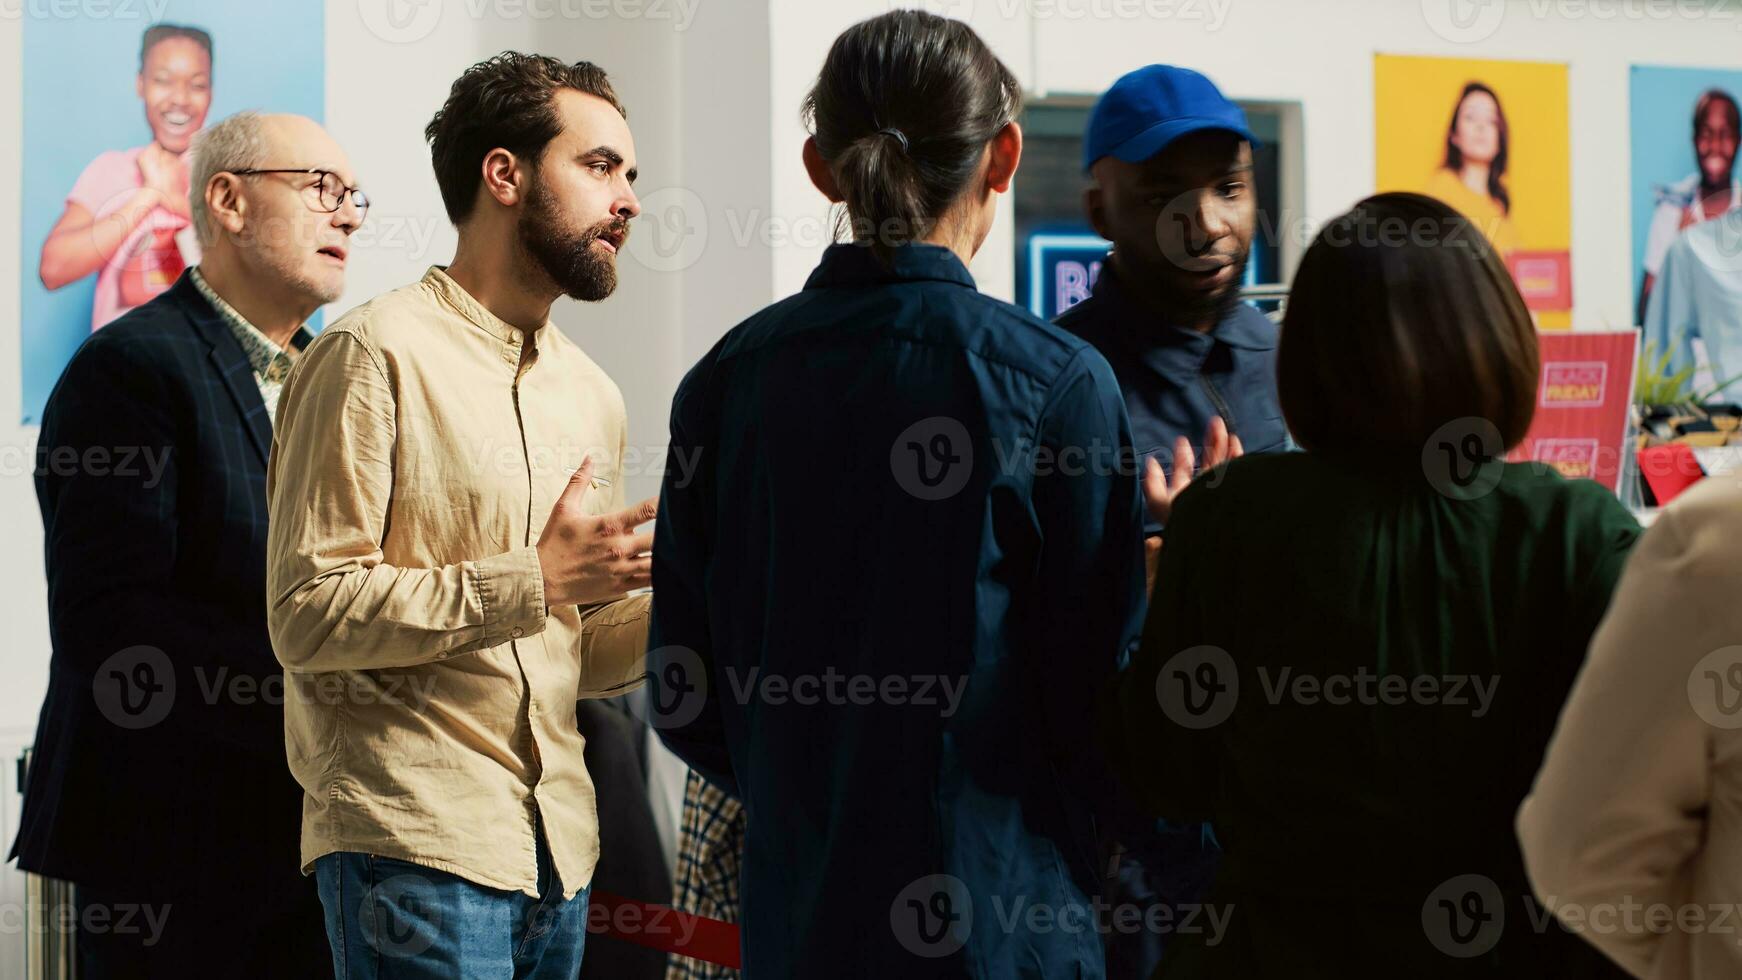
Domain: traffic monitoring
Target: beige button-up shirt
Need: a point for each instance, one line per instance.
(430, 694)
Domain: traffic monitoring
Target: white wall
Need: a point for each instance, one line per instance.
(23, 589)
(802, 32)
(713, 251)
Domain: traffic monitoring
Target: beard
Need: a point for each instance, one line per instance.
(566, 257)
(1192, 306)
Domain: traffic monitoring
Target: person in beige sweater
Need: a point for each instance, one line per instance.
(1632, 835)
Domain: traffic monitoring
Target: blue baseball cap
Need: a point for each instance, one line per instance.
(1149, 108)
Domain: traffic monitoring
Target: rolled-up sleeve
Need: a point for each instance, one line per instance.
(614, 645)
(332, 603)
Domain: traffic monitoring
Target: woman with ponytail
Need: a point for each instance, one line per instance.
(907, 558)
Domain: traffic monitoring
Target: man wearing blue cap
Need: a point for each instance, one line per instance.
(1170, 159)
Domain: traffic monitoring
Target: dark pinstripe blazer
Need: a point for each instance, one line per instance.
(160, 749)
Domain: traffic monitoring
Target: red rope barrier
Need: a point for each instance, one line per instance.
(663, 928)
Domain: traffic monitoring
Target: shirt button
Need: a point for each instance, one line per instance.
(517, 632)
(442, 655)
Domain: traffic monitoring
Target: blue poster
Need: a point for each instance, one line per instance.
(1684, 135)
(110, 105)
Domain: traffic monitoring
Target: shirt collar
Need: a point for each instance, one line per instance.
(850, 264)
(464, 303)
(1243, 326)
(270, 361)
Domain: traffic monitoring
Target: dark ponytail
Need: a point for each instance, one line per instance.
(902, 111)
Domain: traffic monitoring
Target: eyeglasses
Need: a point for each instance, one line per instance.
(332, 193)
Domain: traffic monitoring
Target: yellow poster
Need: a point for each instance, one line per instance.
(1489, 138)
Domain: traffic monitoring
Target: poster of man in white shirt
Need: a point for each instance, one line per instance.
(1685, 199)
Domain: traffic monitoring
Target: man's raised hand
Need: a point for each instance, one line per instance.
(588, 558)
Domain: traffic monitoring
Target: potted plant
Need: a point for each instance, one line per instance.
(1667, 408)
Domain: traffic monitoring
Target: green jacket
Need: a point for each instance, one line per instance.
(1353, 677)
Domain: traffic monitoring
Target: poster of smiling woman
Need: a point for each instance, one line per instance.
(1489, 138)
(113, 97)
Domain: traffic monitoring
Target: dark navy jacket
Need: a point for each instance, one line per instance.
(1175, 380)
(907, 561)
(159, 755)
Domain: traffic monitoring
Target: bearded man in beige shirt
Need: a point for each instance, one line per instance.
(449, 553)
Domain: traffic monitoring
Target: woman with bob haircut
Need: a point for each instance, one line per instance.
(1355, 655)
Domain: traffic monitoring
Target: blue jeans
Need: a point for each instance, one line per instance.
(395, 920)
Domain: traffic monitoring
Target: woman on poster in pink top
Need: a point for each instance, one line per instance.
(126, 218)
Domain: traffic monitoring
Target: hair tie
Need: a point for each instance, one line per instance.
(898, 134)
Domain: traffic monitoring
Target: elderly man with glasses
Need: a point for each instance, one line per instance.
(159, 785)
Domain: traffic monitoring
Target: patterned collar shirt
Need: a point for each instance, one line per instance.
(271, 362)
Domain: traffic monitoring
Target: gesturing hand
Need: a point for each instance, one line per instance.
(589, 559)
(1160, 490)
